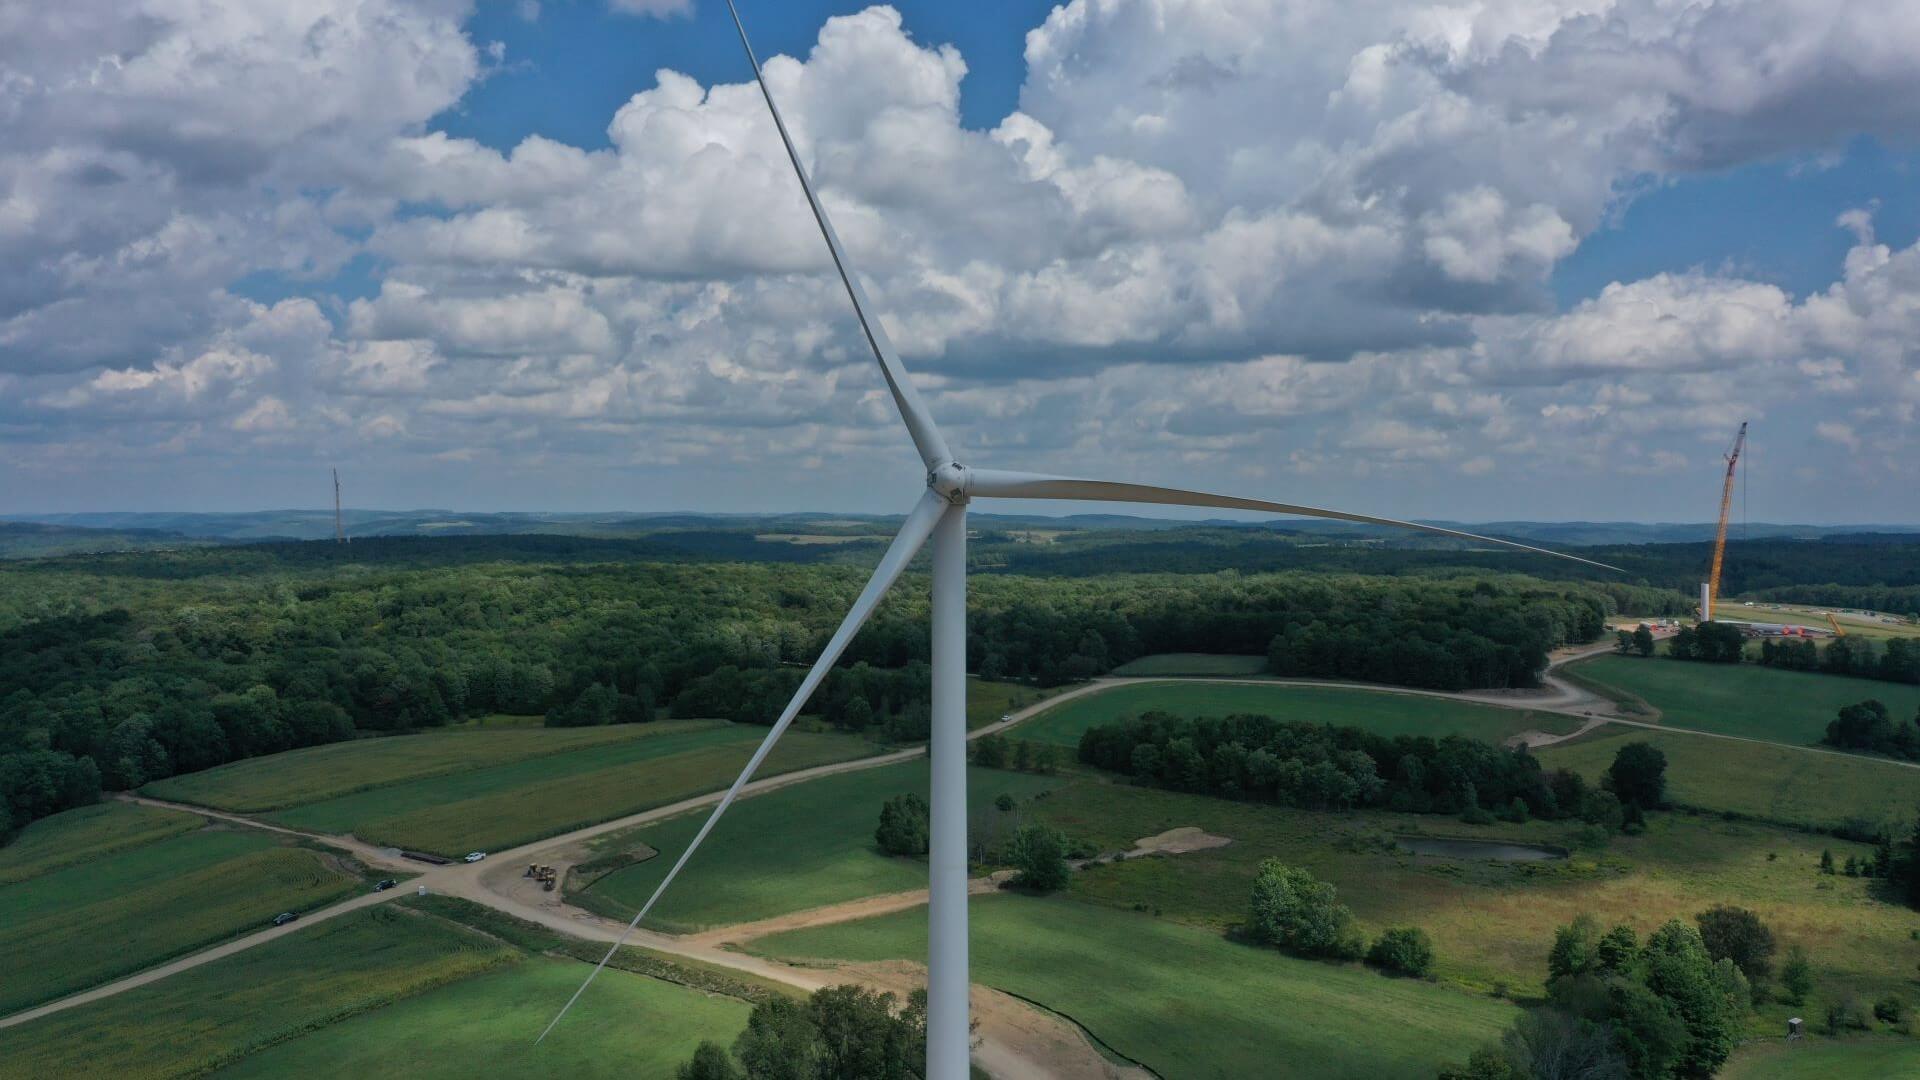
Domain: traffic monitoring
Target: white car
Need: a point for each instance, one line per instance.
(476, 856)
(1006, 716)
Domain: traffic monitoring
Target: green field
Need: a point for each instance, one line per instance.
(1384, 713)
(989, 701)
(88, 833)
(787, 850)
(1184, 1001)
(200, 1019)
(1791, 707)
(1858, 1058)
(115, 914)
(1188, 663)
(1493, 923)
(317, 773)
(505, 805)
(627, 1026)
(1773, 783)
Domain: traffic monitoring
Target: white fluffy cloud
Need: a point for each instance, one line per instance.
(1255, 238)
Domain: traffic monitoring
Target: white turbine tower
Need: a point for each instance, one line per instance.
(941, 515)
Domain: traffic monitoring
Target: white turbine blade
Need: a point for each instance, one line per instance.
(920, 426)
(919, 525)
(999, 483)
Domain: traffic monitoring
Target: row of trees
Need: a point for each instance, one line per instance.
(1317, 767)
(1897, 660)
(840, 1033)
(1712, 642)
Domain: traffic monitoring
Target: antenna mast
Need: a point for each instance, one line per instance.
(339, 529)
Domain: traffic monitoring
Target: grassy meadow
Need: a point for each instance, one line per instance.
(1186, 1001)
(318, 773)
(1773, 783)
(199, 1020)
(1818, 1058)
(91, 922)
(1792, 707)
(1385, 713)
(505, 805)
(1492, 923)
(88, 832)
(1187, 663)
(788, 850)
(628, 1026)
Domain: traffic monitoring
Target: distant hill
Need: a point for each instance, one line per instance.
(24, 539)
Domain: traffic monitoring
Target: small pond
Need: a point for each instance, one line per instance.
(1502, 850)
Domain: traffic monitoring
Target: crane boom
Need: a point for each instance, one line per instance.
(1720, 534)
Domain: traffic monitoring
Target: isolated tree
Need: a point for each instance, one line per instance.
(1643, 640)
(1403, 950)
(1737, 934)
(1679, 971)
(1039, 852)
(903, 826)
(1292, 910)
(1826, 861)
(1575, 948)
(990, 751)
(1622, 642)
(1638, 775)
(1796, 976)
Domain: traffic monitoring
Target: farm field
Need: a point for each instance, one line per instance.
(1385, 713)
(1193, 664)
(317, 773)
(1859, 1058)
(94, 921)
(485, 1026)
(987, 701)
(511, 804)
(1185, 1001)
(1491, 922)
(785, 851)
(1794, 787)
(251, 1000)
(1790, 707)
(85, 833)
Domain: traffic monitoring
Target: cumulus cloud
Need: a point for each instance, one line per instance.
(1215, 234)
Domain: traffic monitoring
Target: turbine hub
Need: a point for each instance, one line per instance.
(950, 482)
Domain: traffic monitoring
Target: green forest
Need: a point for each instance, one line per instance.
(121, 668)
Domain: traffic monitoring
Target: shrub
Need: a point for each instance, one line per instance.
(1796, 977)
(1846, 1015)
(1292, 910)
(1738, 934)
(1403, 951)
(1039, 853)
(1890, 1009)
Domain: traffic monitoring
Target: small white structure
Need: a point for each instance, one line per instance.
(1793, 1029)
(423, 890)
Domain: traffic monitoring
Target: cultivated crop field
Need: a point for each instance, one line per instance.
(1186, 1001)
(1193, 664)
(88, 832)
(514, 803)
(1385, 713)
(317, 773)
(93, 921)
(788, 850)
(628, 1026)
(1790, 707)
(198, 1020)
(1792, 786)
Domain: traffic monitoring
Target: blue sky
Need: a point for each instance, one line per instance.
(1372, 256)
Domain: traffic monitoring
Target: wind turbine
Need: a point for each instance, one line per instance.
(941, 516)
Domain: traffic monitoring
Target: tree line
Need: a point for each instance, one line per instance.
(110, 679)
(1324, 767)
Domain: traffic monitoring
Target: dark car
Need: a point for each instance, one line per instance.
(384, 884)
(285, 917)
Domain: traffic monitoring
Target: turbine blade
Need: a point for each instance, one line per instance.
(920, 426)
(913, 534)
(999, 483)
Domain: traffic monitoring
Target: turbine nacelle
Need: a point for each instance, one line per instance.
(951, 481)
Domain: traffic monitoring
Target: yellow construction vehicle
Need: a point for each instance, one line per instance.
(1837, 630)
